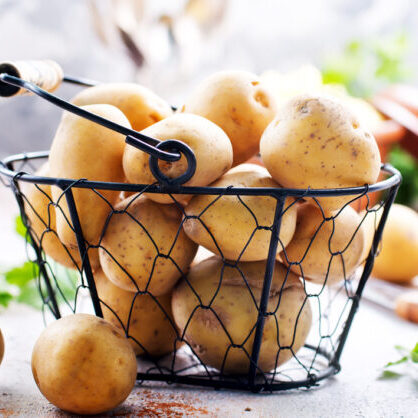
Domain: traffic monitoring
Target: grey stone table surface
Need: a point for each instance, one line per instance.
(356, 391)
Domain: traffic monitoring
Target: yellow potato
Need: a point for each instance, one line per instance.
(84, 365)
(40, 210)
(240, 104)
(231, 223)
(140, 105)
(83, 149)
(234, 307)
(397, 260)
(150, 324)
(370, 223)
(135, 238)
(211, 146)
(316, 142)
(316, 236)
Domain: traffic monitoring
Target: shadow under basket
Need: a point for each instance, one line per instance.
(245, 331)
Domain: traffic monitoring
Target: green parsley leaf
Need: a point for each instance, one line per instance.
(5, 298)
(389, 374)
(22, 275)
(29, 295)
(414, 354)
(20, 227)
(394, 363)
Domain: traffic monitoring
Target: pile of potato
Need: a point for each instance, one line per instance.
(142, 247)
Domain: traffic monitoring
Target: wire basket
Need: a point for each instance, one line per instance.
(234, 332)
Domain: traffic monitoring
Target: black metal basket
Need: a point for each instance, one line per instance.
(333, 307)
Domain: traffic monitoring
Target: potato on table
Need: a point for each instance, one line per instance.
(240, 104)
(83, 364)
(149, 322)
(211, 146)
(144, 246)
(315, 142)
(397, 259)
(325, 250)
(227, 314)
(230, 222)
(140, 105)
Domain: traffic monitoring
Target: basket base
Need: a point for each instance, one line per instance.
(317, 366)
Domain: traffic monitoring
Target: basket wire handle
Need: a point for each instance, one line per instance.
(169, 150)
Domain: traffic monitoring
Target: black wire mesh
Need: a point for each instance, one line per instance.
(259, 325)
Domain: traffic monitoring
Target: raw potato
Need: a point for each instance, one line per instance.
(240, 104)
(370, 223)
(149, 324)
(140, 105)
(1, 347)
(84, 365)
(316, 142)
(83, 149)
(134, 240)
(397, 260)
(211, 146)
(236, 309)
(406, 306)
(232, 224)
(315, 237)
(40, 211)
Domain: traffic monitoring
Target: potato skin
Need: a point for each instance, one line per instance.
(40, 211)
(232, 224)
(84, 365)
(83, 149)
(211, 146)
(315, 142)
(397, 260)
(149, 324)
(131, 245)
(240, 104)
(314, 256)
(140, 105)
(235, 308)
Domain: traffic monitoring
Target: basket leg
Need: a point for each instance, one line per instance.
(39, 259)
(83, 252)
(365, 275)
(268, 275)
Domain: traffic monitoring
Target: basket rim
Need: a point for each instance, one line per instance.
(7, 170)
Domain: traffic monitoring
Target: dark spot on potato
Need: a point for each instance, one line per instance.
(354, 153)
(261, 98)
(304, 108)
(236, 120)
(312, 135)
(154, 117)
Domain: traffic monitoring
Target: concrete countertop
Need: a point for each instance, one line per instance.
(356, 391)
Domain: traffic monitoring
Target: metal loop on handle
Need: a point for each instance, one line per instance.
(143, 142)
(174, 146)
